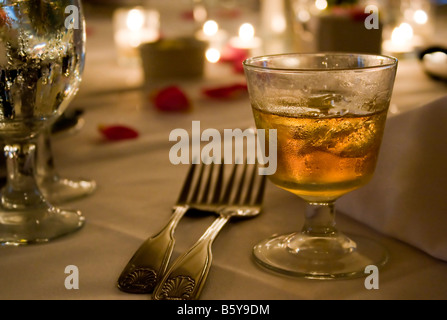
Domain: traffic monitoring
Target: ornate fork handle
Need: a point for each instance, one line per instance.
(186, 277)
(151, 259)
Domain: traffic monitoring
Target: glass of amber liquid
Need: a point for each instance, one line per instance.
(328, 112)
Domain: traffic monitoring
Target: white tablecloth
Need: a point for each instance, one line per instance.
(137, 185)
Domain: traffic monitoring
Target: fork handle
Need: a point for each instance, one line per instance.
(187, 276)
(150, 261)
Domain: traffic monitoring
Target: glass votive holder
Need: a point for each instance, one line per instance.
(173, 58)
(132, 27)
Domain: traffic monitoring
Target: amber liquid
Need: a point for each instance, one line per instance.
(321, 157)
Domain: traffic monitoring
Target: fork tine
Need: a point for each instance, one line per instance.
(219, 183)
(227, 195)
(187, 185)
(206, 191)
(250, 187)
(261, 189)
(196, 191)
(241, 186)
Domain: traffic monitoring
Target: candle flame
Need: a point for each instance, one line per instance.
(279, 23)
(321, 4)
(246, 31)
(420, 17)
(303, 15)
(135, 19)
(212, 55)
(402, 34)
(210, 28)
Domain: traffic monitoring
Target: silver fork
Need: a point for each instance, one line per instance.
(187, 276)
(150, 261)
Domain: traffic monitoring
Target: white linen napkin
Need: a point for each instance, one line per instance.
(407, 197)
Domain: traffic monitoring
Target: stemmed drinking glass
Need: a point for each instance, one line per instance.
(57, 189)
(329, 113)
(43, 48)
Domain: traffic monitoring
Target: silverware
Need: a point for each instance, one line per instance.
(150, 261)
(187, 276)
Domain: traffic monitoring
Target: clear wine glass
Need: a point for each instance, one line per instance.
(43, 49)
(57, 189)
(329, 113)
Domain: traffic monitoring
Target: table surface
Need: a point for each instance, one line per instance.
(137, 185)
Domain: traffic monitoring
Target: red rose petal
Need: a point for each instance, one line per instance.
(187, 15)
(225, 92)
(234, 56)
(231, 54)
(238, 66)
(118, 132)
(171, 98)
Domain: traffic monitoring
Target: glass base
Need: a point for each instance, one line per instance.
(61, 190)
(37, 225)
(326, 257)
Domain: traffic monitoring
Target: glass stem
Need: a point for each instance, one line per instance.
(45, 162)
(21, 189)
(320, 220)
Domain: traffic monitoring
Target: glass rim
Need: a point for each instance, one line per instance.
(248, 63)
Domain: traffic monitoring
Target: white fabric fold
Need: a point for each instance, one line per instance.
(407, 197)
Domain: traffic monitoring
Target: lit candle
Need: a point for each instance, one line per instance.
(246, 38)
(212, 55)
(420, 16)
(212, 34)
(210, 28)
(134, 27)
(401, 39)
(321, 4)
